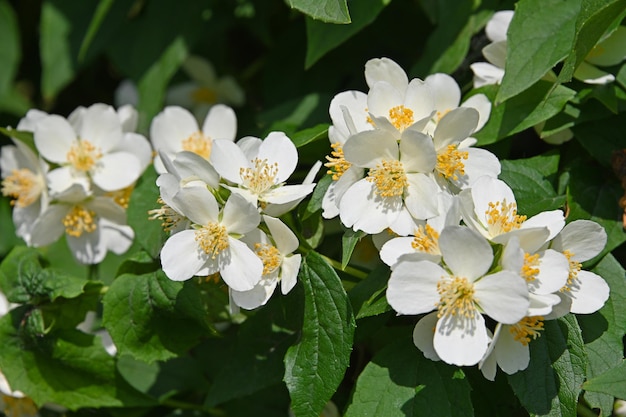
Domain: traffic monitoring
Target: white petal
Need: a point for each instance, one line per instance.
(542, 305)
(257, 296)
(445, 91)
(489, 190)
(480, 162)
(417, 152)
(362, 209)
(421, 196)
(191, 166)
(278, 148)
(461, 341)
(503, 296)
(498, 25)
(393, 249)
(117, 238)
(285, 240)
(116, 170)
(419, 98)
(54, 137)
(250, 146)
(289, 272)
(64, 177)
(530, 239)
(107, 208)
(369, 148)
(198, 204)
(385, 69)
(348, 113)
(423, 335)
(482, 105)
(240, 268)
(511, 355)
(495, 53)
(220, 123)
(589, 293)
(287, 193)
(553, 273)
(181, 258)
(49, 226)
(128, 118)
(138, 146)
(227, 158)
(465, 252)
(553, 220)
(412, 287)
(101, 127)
(239, 216)
(583, 238)
(170, 127)
(455, 126)
(486, 74)
(88, 248)
(382, 97)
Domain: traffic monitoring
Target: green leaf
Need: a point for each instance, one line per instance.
(323, 37)
(153, 318)
(315, 366)
(596, 16)
(71, 369)
(148, 233)
(400, 382)
(315, 203)
(309, 135)
(534, 193)
(552, 382)
(611, 382)
(368, 296)
(348, 242)
(540, 35)
(603, 331)
(26, 137)
(533, 106)
(330, 11)
(601, 138)
(98, 18)
(10, 53)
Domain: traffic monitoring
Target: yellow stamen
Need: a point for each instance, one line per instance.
(121, 197)
(426, 240)
(336, 164)
(168, 216)
(439, 115)
(530, 270)
(574, 268)
(80, 220)
(83, 155)
(527, 328)
(18, 407)
(198, 144)
(401, 117)
(450, 162)
(260, 178)
(389, 178)
(213, 239)
(269, 255)
(457, 298)
(23, 186)
(204, 95)
(502, 217)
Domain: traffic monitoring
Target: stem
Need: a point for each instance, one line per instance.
(583, 410)
(168, 402)
(357, 273)
(93, 273)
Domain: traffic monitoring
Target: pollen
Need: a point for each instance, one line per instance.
(526, 329)
(389, 178)
(121, 197)
(426, 240)
(204, 95)
(530, 268)
(401, 117)
(83, 155)
(502, 217)
(336, 164)
(168, 216)
(259, 178)
(212, 239)
(450, 162)
(269, 255)
(199, 144)
(574, 269)
(23, 186)
(456, 298)
(80, 220)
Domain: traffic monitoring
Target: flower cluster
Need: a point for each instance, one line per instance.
(485, 276)
(221, 201)
(76, 179)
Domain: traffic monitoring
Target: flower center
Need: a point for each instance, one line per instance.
(401, 117)
(168, 216)
(389, 178)
(121, 197)
(336, 164)
(502, 217)
(527, 328)
(83, 155)
(426, 240)
(204, 95)
(198, 144)
(450, 162)
(457, 298)
(269, 255)
(530, 269)
(79, 220)
(261, 177)
(574, 268)
(23, 186)
(212, 238)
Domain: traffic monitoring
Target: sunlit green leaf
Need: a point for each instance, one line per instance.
(330, 11)
(315, 366)
(611, 382)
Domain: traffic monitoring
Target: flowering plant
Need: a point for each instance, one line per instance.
(359, 235)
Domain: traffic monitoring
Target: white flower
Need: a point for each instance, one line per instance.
(279, 263)
(461, 293)
(92, 225)
(23, 180)
(91, 149)
(260, 168)
(175, 129)
(608, 52)
(581, 240)
(212, 244)
(496, 30)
